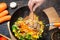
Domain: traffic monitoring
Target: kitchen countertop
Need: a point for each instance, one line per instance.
(48, 3)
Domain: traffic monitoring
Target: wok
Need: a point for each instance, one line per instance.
(23, 12)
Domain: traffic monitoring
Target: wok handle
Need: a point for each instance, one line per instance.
(56, 24)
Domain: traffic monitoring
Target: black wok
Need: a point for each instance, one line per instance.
(23, 12)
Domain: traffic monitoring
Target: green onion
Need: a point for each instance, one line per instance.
(14, 28)
(28, 37)
(21, 38)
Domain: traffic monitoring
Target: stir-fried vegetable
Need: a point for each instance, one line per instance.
(26, 29)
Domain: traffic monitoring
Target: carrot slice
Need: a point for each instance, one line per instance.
(26, 28)
(3, 13)
(3, 6)
(5, 18)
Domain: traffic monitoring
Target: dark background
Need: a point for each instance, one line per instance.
(48, 3)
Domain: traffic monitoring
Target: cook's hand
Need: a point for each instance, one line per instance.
(33, 4)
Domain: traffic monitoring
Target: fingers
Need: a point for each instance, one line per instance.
(59, 27)
(30, 4)
(34, 8)
(37, 5)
